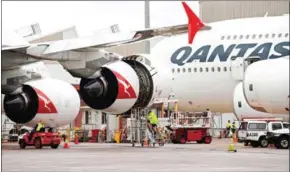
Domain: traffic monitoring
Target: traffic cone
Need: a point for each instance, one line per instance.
(76, 139)
(232, 147)
(65, 146)
(271, 146)
(145, 142)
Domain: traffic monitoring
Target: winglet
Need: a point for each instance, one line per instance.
(194, 23)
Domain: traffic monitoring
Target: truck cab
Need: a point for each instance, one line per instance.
(278, 134)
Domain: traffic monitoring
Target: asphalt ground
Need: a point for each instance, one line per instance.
(94, 157)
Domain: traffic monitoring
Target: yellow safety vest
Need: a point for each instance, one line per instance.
(39, 126)
(228, 125)
(153, 118)
(233, 126)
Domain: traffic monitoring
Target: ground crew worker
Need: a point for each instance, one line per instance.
(233, 128)
(39, 127)
(228, 128)
(153, 120)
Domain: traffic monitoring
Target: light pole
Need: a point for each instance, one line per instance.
(147, 24)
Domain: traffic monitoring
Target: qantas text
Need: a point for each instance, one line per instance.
(186, 55)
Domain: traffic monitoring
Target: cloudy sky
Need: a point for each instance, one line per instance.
(90, 16)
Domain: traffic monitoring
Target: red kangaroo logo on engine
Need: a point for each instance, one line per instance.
(45, 105)
(126, 91)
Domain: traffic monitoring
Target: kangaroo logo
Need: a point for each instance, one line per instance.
(125, 89)
(45, 105)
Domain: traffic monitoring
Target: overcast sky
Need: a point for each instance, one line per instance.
(90, 16)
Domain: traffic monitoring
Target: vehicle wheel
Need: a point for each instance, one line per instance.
(207, 139)
(182, 140)
(161, 144)
(37, 143)
(246, 143)
(22, 144)
(255, 144)
(54, 146)
(264, 142)
(283, 143)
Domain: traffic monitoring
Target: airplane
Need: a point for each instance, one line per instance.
(205, 66)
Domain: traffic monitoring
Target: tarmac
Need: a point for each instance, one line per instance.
(94, 157)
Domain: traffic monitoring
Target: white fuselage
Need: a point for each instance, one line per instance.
(208, 81)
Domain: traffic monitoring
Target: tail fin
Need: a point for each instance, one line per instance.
(194, 23)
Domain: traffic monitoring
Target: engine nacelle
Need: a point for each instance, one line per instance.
(55, 102)
(120, 86)
(266, 86)
(243, 110)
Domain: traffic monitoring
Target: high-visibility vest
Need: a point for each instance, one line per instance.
(228, 125)
(153, 118)
(39, 126)
(233, 126)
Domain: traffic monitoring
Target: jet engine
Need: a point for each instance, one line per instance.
(266, 86)
(121, 85)
(243, 110)
(55, 102)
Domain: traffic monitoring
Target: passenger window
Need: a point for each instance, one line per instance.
(218, 69)
(243, 126)
(273, 35)
(260, 36)
(267, 35)
(251, 87)
(257, 126)
(286, 35)
(212, 69)
(239, 104)
(206, 69)
(195, 70)
(230, 68)
(200, 69)
(223, 37)
(276, 126)
(178, 70)
(285, 125)
(183, 70)
(235, 37)
(241, 37)
(173, 70)
(225, 69)
(280, 35)
(247, 37)
(254, 36)
(229, 37)
(189, 69)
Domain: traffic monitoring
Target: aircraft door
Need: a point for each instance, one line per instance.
(238, 68)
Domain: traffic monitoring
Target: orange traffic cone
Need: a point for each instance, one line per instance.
(145, 142)
(65, 146)
(76, 139)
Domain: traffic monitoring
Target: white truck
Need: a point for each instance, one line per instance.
(263, 133)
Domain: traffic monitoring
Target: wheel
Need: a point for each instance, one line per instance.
(264, 142)
(255, 144)
(182, 140)
(54, 146)
(283, 143)
(22, 144)
(246, 143)
(161, 144)
(37, 143)
(207, 139)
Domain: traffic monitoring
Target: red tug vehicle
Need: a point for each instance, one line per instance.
(190, 127)
(40, 139)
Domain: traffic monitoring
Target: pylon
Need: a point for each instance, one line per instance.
(232, 147)
(145, 142)
(76, 139)
(65, 146)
